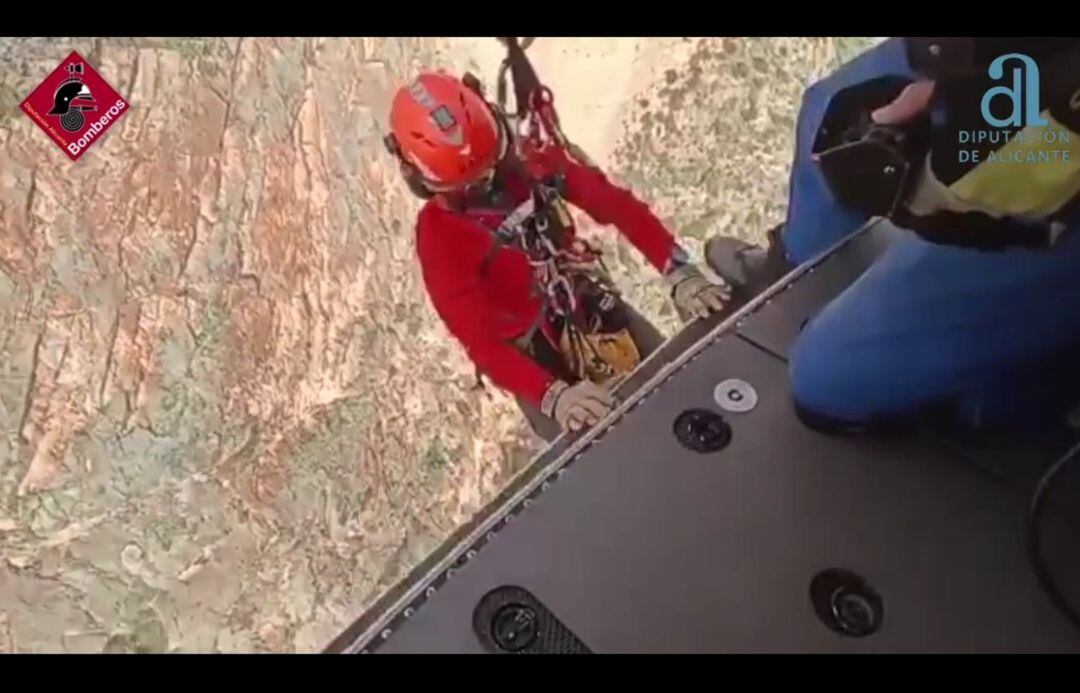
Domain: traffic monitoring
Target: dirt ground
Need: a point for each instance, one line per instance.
(229, 416)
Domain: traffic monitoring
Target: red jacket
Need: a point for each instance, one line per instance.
(487, 310)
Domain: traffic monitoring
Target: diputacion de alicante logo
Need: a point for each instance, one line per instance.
(74, 106)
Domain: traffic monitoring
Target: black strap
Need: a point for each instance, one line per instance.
(976, 230)
(524, 76)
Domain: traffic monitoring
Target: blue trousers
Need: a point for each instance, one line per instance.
(993, 337)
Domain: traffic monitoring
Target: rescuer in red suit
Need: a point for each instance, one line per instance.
(505, 269)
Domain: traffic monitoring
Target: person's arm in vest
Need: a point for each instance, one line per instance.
(961, 66)
(961, 173)
(455, 289)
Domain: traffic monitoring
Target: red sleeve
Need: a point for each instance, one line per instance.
(590, 190)
(450, 263)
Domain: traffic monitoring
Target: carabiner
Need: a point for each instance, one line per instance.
(568, 292)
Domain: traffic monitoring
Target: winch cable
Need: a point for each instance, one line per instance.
(1036, 512)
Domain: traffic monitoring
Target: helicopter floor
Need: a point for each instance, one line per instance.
(752, 535)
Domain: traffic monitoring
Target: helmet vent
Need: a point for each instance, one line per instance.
(423, 139)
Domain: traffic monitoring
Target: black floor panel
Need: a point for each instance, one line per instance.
(644, 545)
(1018, 461)
(779, 539)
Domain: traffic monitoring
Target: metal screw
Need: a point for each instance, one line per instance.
(890, 170)
(545, 486)
(527, 503)
(470, 554)
(408, 612)
(935, 50)
(490, 536)
(450, 573)
(429, 592)
(386, 633)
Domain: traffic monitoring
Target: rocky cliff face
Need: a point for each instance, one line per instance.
(229, 416)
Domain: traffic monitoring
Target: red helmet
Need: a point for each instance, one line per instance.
(446, 131)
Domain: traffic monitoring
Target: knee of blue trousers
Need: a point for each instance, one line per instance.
(815, 221)
(843, 379)
(819, 380)
(827, 390)
(1013, 359)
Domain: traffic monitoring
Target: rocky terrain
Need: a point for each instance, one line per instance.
(228, 414)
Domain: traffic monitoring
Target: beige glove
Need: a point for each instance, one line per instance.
(577, 406)
(693, 292)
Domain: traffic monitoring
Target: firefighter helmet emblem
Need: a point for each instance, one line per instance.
(71, 99)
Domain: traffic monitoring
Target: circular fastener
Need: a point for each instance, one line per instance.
(429, 592)
(735, 395)
(470, 554)
(890, 170)
(545, 486)
(846, 603)
(490, 536)
(527, 503)
(386, 633)
(702, 430)
(853, 612)
(935, 50)
(408, 612)
(450, 573)
(514, 627)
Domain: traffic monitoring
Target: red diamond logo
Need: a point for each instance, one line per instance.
(74, 106)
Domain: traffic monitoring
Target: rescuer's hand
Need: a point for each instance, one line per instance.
(577, 406)
(910, 104)
(695, 294)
